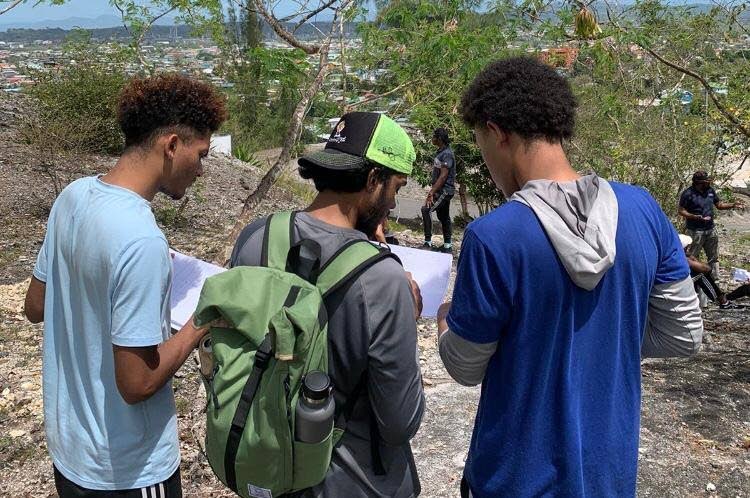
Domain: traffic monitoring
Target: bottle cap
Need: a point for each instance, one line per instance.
(316, 385)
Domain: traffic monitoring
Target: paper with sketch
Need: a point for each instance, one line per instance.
(431, 271)
(187, 281)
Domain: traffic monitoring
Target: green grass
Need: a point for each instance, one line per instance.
(395, 226)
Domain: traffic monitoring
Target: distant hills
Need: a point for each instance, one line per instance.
(157, 32)
(109, 27)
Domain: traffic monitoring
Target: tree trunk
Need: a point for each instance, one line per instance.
(464, 202)
(293, 131)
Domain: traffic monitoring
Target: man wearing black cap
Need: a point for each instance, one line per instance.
(372, 331)
(697, 207)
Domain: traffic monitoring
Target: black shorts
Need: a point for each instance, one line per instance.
(171, 488)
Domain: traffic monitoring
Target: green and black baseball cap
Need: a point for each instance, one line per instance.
(362, 137)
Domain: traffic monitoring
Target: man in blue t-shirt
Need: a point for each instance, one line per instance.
(697, 207)
(102, 284)
(559, 294)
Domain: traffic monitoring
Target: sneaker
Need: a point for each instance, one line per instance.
(443, 248)
(729, 305)
(428, 245)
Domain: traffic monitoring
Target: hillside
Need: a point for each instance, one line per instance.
(695, 417)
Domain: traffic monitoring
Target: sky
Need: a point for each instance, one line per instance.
(29, 12)
(42, 12)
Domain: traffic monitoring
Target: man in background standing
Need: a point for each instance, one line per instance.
(697, 207)
(442, 191)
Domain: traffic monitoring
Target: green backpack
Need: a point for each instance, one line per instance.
(273, 330)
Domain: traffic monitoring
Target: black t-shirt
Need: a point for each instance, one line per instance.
(696, 202)
(445, 159)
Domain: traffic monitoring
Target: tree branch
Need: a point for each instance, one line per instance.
(6, 9)
(312, 14)
(281, 31)
(351, 107)
(292, 135)
(736, 122)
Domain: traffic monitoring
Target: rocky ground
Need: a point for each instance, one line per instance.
(695, 438)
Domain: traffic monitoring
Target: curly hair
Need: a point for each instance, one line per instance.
(168, 103)
(442, 135)
(524, 96)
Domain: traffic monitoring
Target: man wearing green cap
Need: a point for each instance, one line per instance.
(372, 334)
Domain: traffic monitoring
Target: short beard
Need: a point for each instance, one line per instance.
(368, 221)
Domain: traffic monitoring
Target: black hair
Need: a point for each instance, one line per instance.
(343, 181)
(524, 96)
(168, 103)
(442, 135)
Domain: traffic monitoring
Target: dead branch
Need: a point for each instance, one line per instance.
(292, 134)
(6, 9)
(312, 14)
(279, 29)
(354, 105)
(728, 115)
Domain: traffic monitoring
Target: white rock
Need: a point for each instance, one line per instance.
(710, 487)
(16, 433)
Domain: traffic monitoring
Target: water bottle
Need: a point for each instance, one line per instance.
(315, 407)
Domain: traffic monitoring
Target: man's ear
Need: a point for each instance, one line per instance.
(372, 180)
(170, 145)
(497, 134)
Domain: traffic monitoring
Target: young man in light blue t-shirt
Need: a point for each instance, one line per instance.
(102, 284)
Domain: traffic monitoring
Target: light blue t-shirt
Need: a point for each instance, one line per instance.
(108, 278)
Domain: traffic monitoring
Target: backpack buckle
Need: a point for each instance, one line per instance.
(263, 353)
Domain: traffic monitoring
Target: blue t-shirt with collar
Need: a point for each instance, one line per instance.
(108, 278)
(560, 401)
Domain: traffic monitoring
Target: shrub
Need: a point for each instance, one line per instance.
(76, 110)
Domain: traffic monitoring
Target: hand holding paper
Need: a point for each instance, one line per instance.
(187, 281)
(430, 271)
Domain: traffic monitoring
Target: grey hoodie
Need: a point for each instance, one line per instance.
(580, 219)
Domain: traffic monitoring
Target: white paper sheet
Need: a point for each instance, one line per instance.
(187, 281)
(740, 275)
(431, 271)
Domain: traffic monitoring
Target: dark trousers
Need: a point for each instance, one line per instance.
(706, 283)
(171, 488)
(741, 291)
(441, 206)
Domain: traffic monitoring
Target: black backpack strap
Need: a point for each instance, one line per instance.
(262, 356)
(304, 260)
